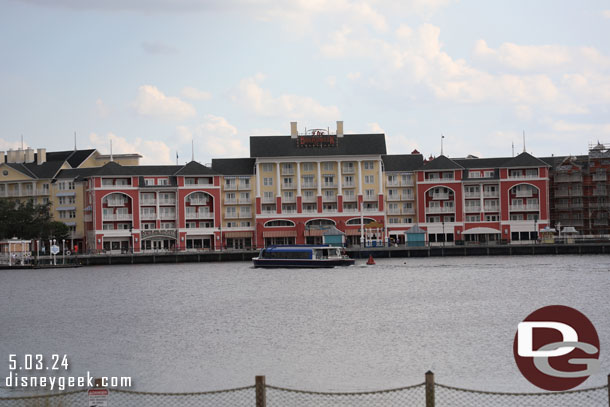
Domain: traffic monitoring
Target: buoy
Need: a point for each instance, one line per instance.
(371, 261)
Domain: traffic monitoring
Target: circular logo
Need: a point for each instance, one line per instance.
(556, 348)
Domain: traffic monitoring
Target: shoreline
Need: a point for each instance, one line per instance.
(355, 253)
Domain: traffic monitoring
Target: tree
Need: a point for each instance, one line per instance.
(27, 220)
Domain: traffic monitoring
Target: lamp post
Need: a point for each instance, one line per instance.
(443, 223)
(63, 251)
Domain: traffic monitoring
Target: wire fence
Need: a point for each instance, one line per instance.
(428, 394)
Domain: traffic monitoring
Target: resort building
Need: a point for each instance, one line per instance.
(579, 193)
(483, 200)
(45, 177)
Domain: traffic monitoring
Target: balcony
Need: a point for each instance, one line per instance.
(309, 185)
(116, 202)
(440, 209)
(395, 197)
(148, 202)
(329, 185)
(167, 201)
(472, 208)
(350, 210)
(599, 176)
(289, 199)
(289, 211)
(289, 185)
(440, 195)
(288, 171)
(310, 210)
(370, 198)
(269, 212)
(600, 192)
(245, 215)
(393, 211)
(371, 209)
(522, 176)
(348, 185)
(333, 210)
(348, 170)
(245, 201)
(349, 198)
(524, 194)
(245, 186)
(562, 178)
(491, 194)
(491, 208)
(230, 187)
(524, 208)
(268, 199)
(168, 216)
(231, 215)
(562, 193)
(111, 217)
(196, 201)
(600, 222)
(310, 199)
(199, 215)
(472, 195)
(148, 216)
(329, 198)
(231, 201)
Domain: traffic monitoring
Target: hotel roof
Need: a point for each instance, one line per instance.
(286, 146)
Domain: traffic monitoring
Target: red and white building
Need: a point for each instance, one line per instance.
(483, 200)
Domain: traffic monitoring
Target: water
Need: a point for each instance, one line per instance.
(195, 327)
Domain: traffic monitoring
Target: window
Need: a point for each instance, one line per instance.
(107, 226)
(307, 167)
(329, 180)
(491, 218)
(279, 223)
(392, 180)
(471, 189)
(288, 182)
(148, 181)
(120, 181)
(348, 181)
(488, 174)
(244, 182)
(231, 211)
(329, 194)
(472, 218)
(531, 173)
(287, 168)
(268, 195)
(245, 224)
(168, 225)
(369, 165)
(348, 194)
(267, 167)
(191, 225)
(369, 179)
(348, 167)
(308, 181)
(308, 194)
(432, 175)
(245, 211)
(124, 226)
(369, 193)
(328, 166)
(448, 175)
(474, 174)
(268, 181)
(189, 181)
(289, 195)
(516, 217)
(393, 220)
(229, 196)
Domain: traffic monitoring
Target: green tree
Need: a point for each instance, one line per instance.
(27, 220)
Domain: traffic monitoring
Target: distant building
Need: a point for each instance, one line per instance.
(579, 193)
(42, 177)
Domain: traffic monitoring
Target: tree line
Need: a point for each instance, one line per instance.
(26, 220)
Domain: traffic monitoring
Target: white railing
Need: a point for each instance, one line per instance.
(310, 199)
(348, 185)
(373, 209)
(245, 201)
(490, 208)
(524, 207)
(199, 215)
(329, 185)
(167, 201)
(440, 196)
(245, 214)
(231, 215)
(230, 201)
(349, 198)
(116, 216)
(268, 199)
(443, 209)
(116, 202)
(329, 198)
(350, 210)
(335, 210)
(348, 170)
(289, 185)
(289, 211)
(168, 216)
(525, 194)
(245, 186)
(198, 201)
(148, 216)
(472, 208)
(309, 185)
(268, 211)
(522, 176)
(370, 198)
(307, 210)
(472, 195)
(488, 194)
(600, 176)
(230, 187)
(288, 199)
(148, 202)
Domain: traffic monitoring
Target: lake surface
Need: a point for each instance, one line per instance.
(208, 326)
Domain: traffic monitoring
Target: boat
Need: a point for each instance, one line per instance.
(302, 256)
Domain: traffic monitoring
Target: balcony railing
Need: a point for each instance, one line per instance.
(441, 209)
(369, 198)
(349, 198)
(521, 208)
(116, 217)
(231, 186)
(148, 202)
(268, 211)
(245, 215)
(231, 201)
(600, 192)
(167, 201)
(348, 170)
(267, 199)
(168, 216)
(472, 195)
(116, 202)
(289, 185)
(524, 194)
(148, 216)
(289, 211)
(199, 215)
(195, 201)
(329, 198)
(310, 210)
(350, 210)
(472, 208)
(600, 176)
(243, 186)
(600, 222)
(289, 199)
(310, 199)
(491, 194)
(372, 209)
(245, 201)
(491, 208)
(348, 185)
(309, 185)
(231, 215)
(329, 185)
(522, 176)
(440, 196)
(287, 171)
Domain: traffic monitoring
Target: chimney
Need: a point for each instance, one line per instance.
(29, 155)
(339, 128)
(41, 156)
(293, 130)
(15, 156)
(1, 157)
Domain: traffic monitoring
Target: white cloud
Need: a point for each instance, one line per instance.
(195, 94)
(352, 76)
(375, 127)
(6, 145)
(151, 102)
(252, 96)
(525, 57)
(331, 81)
(606, 13)
(214, 137)
(152, 151)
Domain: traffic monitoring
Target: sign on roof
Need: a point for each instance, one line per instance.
(317, 138)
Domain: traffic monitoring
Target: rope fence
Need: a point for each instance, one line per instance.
(428, 394)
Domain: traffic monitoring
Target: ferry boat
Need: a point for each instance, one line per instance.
(302, 256)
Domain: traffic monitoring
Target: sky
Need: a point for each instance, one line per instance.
(158, 76)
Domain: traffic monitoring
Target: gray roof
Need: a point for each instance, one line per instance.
(525, 160)
(481, 162)
(112, 168)
(286, 146)
(44, 170)
(402, 162)
(234, 166)
(194, 168)
(440, 163)
(415, 229)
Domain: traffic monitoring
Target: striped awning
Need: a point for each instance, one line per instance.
(314, 232)
(280, 233)
(243, 233)
(352, 232)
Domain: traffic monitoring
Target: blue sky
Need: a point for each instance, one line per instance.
(152, 75)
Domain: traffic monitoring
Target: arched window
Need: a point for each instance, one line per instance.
(279, 223)
(356, 221)
(320, 222)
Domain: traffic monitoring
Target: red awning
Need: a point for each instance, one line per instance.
(280, 233)
(243, 233)
(352, 232)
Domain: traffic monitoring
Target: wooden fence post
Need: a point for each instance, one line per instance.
(429, 389)
(261, 397)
